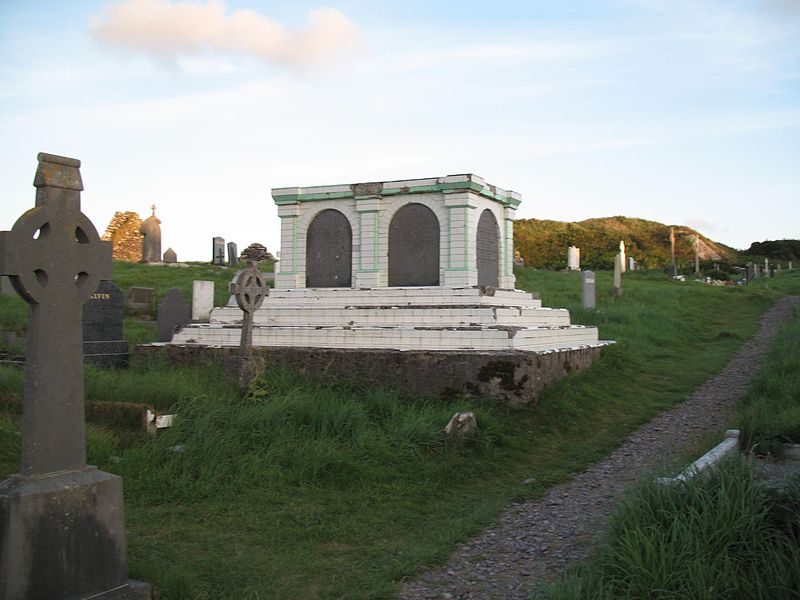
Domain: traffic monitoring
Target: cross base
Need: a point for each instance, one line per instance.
(63, 536)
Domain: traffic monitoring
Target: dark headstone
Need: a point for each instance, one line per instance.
(139, 298)
(487, 246)
(103, 343)
(170, 257)
(218, 251)
(414, 247)
(173, 312)
(329, 247)
(63, 531)
(151, 242)
(233, 255)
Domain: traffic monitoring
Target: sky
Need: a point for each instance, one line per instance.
(683, 112)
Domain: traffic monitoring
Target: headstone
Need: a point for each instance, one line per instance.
(617, 290)
(696, 255)
(573, 258)
(622, 255)
(588, 289)
(790, 265)
(218, 251)
(673, 267)
(170, 257)
(151, 243)
(103, 342)
(631, 263)
(250, 290)
(139, 298)
(233, 256)
(63, 530)
(766, 268)
(173, 312)
(202, 300)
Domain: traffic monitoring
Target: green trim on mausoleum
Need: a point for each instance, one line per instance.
(486, 191)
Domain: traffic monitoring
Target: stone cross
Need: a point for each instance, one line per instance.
(55, 259)
(63, 530)
(250, 289)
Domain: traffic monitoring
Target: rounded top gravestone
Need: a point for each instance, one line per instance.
(151, 244)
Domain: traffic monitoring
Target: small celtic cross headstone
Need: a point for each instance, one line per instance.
(63, 530)
(250, 289)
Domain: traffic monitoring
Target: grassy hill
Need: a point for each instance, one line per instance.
(543, 244)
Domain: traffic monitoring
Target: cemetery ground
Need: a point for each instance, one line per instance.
(297, 489)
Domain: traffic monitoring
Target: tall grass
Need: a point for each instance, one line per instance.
(720, 535)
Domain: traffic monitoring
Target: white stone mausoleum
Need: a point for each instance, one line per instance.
(419, 264)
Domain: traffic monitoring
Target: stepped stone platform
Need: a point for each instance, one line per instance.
(479, 341)
(421, 318)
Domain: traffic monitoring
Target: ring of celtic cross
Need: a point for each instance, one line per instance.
(55, 255)
(250, 290)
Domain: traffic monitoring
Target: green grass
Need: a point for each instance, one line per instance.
(720, 536)
(163, 278)
(303, 490)
(769, 414)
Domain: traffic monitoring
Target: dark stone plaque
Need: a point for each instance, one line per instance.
(233, 254)
(329, 245)
(103, 342)
(414, 247)
(218, 251)
(487, 245)
(173, 311)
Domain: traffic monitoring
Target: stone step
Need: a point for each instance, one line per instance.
(399, 296)
(398, 338)
(443, 316)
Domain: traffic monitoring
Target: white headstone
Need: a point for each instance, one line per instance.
(622, 255)
(618, 264)
(766, 267)
(573, 258)
(631, 263)
(202, 299)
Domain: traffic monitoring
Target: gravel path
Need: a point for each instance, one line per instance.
(534, 541)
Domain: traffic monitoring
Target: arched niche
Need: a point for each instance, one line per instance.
(329, 243)
(487, 250)
(414, 247)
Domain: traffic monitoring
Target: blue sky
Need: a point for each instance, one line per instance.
(680, 112)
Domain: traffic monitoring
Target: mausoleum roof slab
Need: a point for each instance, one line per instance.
(448, 184)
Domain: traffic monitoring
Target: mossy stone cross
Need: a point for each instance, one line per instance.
(54, 259)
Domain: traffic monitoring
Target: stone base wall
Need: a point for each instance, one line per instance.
(514, 378)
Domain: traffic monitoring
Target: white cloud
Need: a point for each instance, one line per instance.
(168, 30)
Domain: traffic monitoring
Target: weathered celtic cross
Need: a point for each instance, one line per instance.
(250, 289)
(62, 529)
(54, 259)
